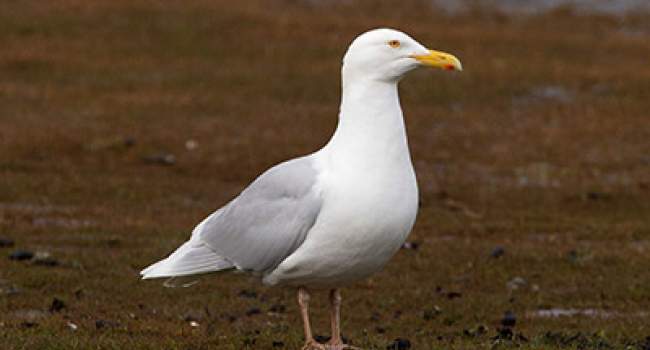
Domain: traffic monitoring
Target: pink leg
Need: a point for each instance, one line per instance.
(336, 342)
(303, 301)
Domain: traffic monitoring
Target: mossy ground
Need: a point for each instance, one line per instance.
(540, 147)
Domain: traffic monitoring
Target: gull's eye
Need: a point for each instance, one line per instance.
(394, 44)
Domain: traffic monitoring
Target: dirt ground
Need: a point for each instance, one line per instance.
(124, 123)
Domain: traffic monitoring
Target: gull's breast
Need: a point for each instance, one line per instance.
(365, 218)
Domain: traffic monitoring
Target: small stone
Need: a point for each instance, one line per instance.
(509, 319)
(454, 295)
(516, 283)
(277, 344)
(161, 159)
(6, 242)
(503, 334)
(380, 330)
(72, 326)
(399, 344)
(21, 255)
(277, 308)
(29, 317)
(497, 252)
(194, 324)
(596, 196)
(44, 259)
(57, 305)
(475, 332)
(192, 316)
(250, 294)
(321, 338)
(411, 245)
(99, 324)
(191, 145)
(253, 311)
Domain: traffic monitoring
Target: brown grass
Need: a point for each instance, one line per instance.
(541, 146)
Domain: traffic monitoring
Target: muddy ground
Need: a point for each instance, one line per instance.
(124, 123)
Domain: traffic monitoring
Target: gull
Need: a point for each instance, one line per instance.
(336, 216)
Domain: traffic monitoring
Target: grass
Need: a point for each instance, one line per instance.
(540, 147)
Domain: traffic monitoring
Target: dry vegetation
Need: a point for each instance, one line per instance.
(541, 147)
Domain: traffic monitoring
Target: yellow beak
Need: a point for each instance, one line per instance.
(439, 59)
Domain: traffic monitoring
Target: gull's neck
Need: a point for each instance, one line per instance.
(370, 130)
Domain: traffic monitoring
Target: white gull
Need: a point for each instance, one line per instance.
(328, 219)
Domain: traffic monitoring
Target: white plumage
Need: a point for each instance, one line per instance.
(337, 215)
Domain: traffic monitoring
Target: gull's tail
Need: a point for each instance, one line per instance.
(192, 258)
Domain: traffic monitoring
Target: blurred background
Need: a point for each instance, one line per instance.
(124, 123)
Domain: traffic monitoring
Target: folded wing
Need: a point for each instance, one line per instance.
(257, 230)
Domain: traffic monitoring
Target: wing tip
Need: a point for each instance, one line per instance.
(187, 260)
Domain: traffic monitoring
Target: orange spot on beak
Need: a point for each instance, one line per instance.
(449, 67)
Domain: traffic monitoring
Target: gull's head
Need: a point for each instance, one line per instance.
(387, 54)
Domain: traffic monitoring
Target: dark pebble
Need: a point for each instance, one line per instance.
(509, 319)
(250, 294)
(278, 308)
(454, 295)
(253, 311)
(497, 252)
(160, 159)
(192, 316)
(399, 344)
(324, 339)
(57, 305)
(321, 338)
(277, 344)
(380, 330)
(46, 261)
(411, 245)
(504, 334)
(28, 324)
(99, 324)
(20, 255)
(595, 196)
(6, 243)
(475, 332)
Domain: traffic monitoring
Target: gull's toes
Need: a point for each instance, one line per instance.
(313, 345)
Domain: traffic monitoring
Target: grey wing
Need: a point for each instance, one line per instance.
(269, 220)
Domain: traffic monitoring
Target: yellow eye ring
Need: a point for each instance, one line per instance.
(394, 44)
